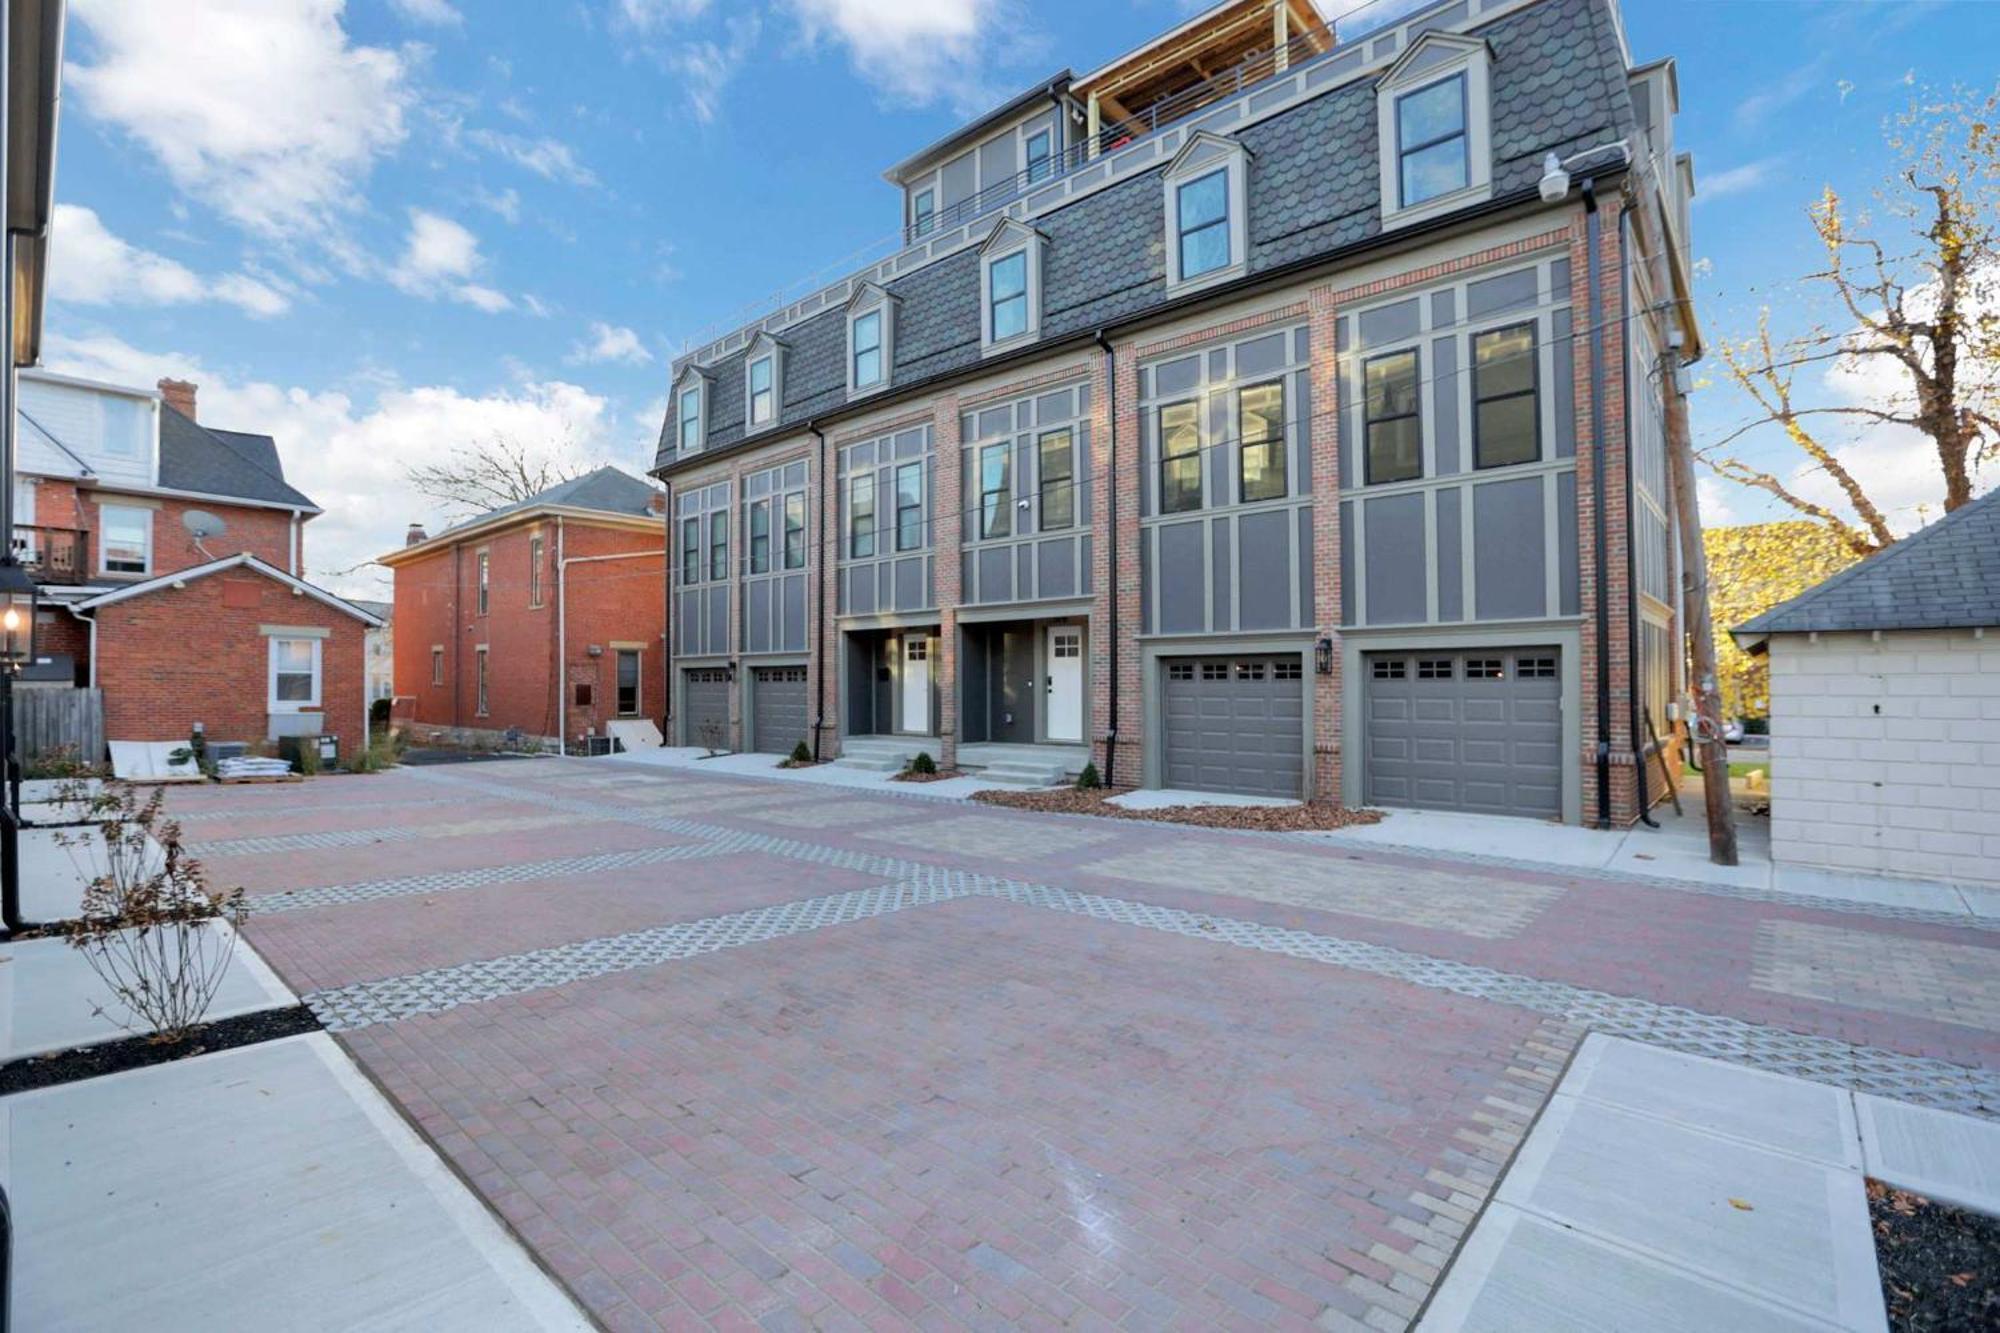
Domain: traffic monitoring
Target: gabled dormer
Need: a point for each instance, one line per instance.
(691, 395)
(871, 340)
(763, 384)
(1010, 286)
(1207, 207)
(1434, 112)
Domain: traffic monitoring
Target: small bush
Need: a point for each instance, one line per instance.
(306, 757)
(923, 763)
(802, 753)
(60, 763)
(1088, 780)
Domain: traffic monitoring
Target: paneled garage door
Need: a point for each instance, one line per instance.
(1478, 731)
(777, 708)
(1235, 724)
(705, 702)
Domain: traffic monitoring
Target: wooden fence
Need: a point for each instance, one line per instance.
(51, 717)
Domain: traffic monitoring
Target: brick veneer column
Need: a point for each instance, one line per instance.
(1122, 581)
(1322, 436)
(825, 635)
(947, 520)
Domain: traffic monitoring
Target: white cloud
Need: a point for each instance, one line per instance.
(917, 50)
(432, 13)
(352, 458)
(649, 15)
(612, 343)
(261, 108)
(1736, 180)
(506, 203)
(706, 67)
(1715, 500)
(440, 258)
(549, 158)
(91, 265)
(1775, 96)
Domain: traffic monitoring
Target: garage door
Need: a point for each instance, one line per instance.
(1235, 724)
(705, 704)
(777, 708)
(1478, 731)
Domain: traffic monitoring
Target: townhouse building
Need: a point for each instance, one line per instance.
(1276, 409)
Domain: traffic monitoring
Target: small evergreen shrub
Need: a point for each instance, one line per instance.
(1088, 780)
(923, 763)
(802, 753)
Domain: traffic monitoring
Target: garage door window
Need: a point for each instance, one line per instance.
(1180, 671)
(1485, 668)
(1387, 670)
(1215, 671)
(1249, 671)
(1435, 668)
(1288, 671)
(1536, 668)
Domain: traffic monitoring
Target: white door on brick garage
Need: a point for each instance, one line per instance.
(917, 685)
(1065, 713)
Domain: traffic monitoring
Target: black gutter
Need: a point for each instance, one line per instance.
(1638, 672)
(666, 609)
(1402, 238)
(1111, 551)
(822, 559)
(1592, 228)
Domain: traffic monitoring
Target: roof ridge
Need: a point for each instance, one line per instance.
(211, 432)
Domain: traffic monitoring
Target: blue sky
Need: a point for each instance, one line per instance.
(385, 229)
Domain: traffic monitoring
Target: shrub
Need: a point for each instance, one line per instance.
(59, 763)
(802, 753)
(145, 924)
(923, 763)
(306, 757)
(380, 754)
(1088, 780)
(711, 735)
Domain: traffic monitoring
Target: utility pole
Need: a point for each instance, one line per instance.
(1705, 733)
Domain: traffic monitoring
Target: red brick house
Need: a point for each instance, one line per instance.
(170, 555)
(485, 610)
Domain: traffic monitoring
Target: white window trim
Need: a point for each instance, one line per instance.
(1010, 238)
(1413, 73)
(1203, 155)
(870, 299)
(929, 187)
(278, 705)
(146, 513)
(694, 379)
(765, 348)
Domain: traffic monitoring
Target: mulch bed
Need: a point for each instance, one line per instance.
(943, 773)
(113, 1057)
(1316, 815)
(1940, 1264)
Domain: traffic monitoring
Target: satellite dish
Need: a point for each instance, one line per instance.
(202, 524)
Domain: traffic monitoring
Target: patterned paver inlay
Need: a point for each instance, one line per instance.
(1952, 983)
(1489, 909)
(297, 842)
(982, 836)
(821, 814)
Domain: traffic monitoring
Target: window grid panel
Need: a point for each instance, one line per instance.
(995, 490)
(1180, 457)
(1202, 211)
(1506, 408)
(1056, 463)
(1260, 427)
(1433, 149)
(1392, 401)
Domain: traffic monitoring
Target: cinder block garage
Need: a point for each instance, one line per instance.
(1885, 708)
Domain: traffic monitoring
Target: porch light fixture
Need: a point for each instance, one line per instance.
(1323, 656)
(17, 616)
(1555, 180)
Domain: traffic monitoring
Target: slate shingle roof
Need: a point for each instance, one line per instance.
(203, 459)
(1945, 577)
(608, 489)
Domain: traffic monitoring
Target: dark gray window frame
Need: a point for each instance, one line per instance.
(1277, 463)
(794, 555)
(691, 549)
(916, 506)
(1182, 231)
(1166, 460)
(718, 546)
(1039, 169)
(996, 518)
(1463, 135)
(1533, 393)
(770, 390)
(760, 560)
(859, 486)
(1064, 483)
(923, 220)
(994, 301)
(1369, 422)
(484, 562)
(857, 351)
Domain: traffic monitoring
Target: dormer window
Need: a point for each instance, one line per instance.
(923, 213)
(1436, 129)
(759, 395)
(1010, 296)
(1039, 155)
(868, 350)
(1207, 232)
(763, 382)
(871, 340)
(690, 401)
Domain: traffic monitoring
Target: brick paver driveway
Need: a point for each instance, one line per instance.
(740, 1053)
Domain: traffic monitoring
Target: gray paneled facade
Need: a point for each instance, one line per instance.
(702, 570)
(777, 553)
(887, 562)
(1026, 481)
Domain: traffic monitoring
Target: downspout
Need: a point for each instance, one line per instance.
(295, 545)
(1636, 693)
(819, 595)
(1592, 227)
(1111, 548)
(667, 618)
(562, 643)
(457, 634)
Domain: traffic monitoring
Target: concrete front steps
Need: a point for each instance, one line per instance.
(1024, 765)
(883, 754)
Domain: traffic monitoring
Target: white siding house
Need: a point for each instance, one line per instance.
(1885, 708)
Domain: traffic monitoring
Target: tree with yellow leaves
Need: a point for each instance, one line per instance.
(1750, 570)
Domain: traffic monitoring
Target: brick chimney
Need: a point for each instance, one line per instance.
(415, 535)
(180, 396)
(656, 503)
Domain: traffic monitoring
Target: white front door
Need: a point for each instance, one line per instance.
(917, 685)
(1065, 713)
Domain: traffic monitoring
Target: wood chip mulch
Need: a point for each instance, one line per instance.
(1316, 815)
(907, 776)
(1940, 1265)
(114, 1057)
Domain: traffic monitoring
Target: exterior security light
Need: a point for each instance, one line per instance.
(1555, 181)
(17, 616)
(1323, 656)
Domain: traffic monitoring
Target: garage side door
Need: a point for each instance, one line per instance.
(705, 698)
(777, 708)
(1476, 731)
(1235, 724)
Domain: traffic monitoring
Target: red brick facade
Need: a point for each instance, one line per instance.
(265, 533)
(442, 634)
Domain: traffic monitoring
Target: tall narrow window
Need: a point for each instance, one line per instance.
(795, 530)
(1431, 145)
(535, 571)
(868, 349)
(1394, 429)
(479, 681)
(996, 493)
(485, 580)
(1180, 457)
(861, 516)
(295, 666)
(690, 550)
(763, 401)
(1260, 425)
(760, 537)
(1039, 156)
(923, 213)
(125, 539)
(718, 544)
(691, 417)
(437, 666)
(1056, 476)
(628, 682)
(1505, 420)
(1202, 208)
(909, 506)
(1007, 296)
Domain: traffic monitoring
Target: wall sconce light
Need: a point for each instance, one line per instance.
(1323, 656)
(18, 600)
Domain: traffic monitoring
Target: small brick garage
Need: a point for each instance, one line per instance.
(237, 645)
(1885, 708)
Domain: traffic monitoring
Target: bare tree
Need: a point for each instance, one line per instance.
(501, 470)
(1927, 319)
